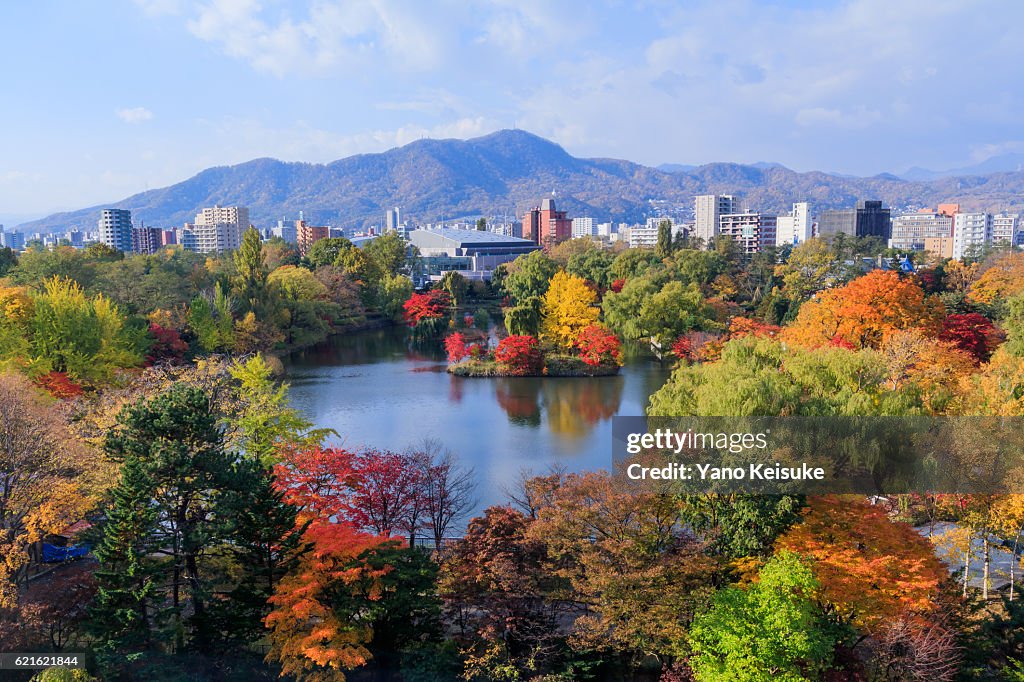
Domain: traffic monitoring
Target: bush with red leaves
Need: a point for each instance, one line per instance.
(617, 285)
(167, 345)
(59, 385)
(598, 346)
(519, 355)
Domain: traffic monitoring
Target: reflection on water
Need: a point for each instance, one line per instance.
(376, 389)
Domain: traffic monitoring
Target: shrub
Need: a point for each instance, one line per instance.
(598, 346)
(519, 355)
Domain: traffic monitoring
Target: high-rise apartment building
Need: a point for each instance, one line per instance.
(911, 229)
(794, 227)
(146, 239)
(867, 219)
(583, 227)
(753, 231)
(971, 232)
(546, 226)
(220, 228)
(1006, 229)
(306, 235)
(12, 240)
(115, 228)
(707, 210)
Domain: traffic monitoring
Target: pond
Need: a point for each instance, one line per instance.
(378, 390)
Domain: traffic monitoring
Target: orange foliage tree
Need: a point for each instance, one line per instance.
(307, 637)
(865, 311)
(872, 570)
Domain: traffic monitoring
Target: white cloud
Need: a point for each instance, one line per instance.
(858, 117)
(333, 35)
(134, 114)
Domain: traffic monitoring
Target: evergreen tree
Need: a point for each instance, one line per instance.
(264, 544)
(119, 617)
(178, 445)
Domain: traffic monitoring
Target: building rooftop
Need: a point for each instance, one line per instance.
(472, 237)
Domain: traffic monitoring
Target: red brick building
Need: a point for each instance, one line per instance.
(546, 226)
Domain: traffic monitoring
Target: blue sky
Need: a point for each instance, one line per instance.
(99, 100)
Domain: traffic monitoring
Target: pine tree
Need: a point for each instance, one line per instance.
(119, 618)
(178, 444)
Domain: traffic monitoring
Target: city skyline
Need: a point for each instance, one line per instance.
(137, 95)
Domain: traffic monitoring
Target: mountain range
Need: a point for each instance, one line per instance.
(509, 171)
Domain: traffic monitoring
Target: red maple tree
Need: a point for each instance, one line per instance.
(972, 333)
(431, 305)
(456, 348)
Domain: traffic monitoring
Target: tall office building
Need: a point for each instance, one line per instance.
(115, 228)
(971, 232)
(220, 228)
(1006, 229)
(910, 230)
(707, 210)
(794, 227)
(546, 226)
(392, 218)
(867, 219)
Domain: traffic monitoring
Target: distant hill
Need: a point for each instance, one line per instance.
(1003, 163)
(508, 172)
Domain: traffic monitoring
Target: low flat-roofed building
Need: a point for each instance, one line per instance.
(473, 253)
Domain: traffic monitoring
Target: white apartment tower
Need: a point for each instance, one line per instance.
(219, 229)
(708, 208)
(1006, 229)
(583, 227)
(752, 231)
(971, 231)
(794, 228)
(115, 228)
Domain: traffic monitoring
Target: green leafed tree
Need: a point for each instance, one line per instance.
(529, 275)
(266, 421)
(771, 630)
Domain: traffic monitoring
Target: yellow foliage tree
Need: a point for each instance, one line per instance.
(567, 309)
(1003, 279)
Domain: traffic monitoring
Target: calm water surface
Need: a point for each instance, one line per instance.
(376, 389)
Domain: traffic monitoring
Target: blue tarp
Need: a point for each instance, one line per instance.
(53, 554)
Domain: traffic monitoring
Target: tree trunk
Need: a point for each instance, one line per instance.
(988, 561)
